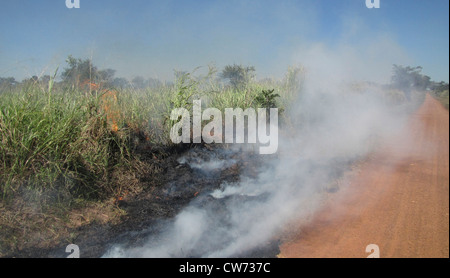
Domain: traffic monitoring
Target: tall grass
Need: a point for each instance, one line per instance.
(55, 139)
(60, 137)
(442, 96)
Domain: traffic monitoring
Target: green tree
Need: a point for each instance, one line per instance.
(45, 79)
(120, 82)
(266, 99)
(138, 82)
(439, 86)
(238, 75)
(408, 79)
(78, 71)
(7, 83)
(106, 76)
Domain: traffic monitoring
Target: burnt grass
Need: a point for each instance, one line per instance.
(165, 194)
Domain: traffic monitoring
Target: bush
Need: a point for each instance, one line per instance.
(266, 99)
(48, 137)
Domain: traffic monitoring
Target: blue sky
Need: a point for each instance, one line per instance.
(152, 38)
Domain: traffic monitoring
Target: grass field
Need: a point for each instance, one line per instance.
(69, 153)
(73, 138)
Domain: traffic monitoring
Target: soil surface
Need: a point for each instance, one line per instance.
(149, 213)
(399, 199)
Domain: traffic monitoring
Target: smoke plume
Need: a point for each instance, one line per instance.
(333, 124)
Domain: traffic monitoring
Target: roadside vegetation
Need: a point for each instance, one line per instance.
(74, 144)
(440, 92)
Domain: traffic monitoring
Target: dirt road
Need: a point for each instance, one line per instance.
(399, 200)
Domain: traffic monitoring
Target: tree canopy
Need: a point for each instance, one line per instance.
(238, 75)
(409, 78)
(80, 71)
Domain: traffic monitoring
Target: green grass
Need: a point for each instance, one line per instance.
(60, 138)
(443, 97)
(59, 156)
(50, 138)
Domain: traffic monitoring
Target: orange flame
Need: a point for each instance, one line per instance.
(109, 100)
(92, 86)
(109, 104)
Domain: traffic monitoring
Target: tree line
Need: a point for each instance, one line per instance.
(79, 71)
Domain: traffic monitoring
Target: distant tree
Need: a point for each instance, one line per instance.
(43, 80)
(238, 75)
(105, 76)
(138, 82)
(153, 82)
(79, 71)
(408, 79)
(439, 86)
(120, 83)
(30, 81)
(7, 82)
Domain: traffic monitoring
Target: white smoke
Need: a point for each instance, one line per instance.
(207, 166)
(332, 125)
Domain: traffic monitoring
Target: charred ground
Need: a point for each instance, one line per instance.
(163, 196)
(177, 184)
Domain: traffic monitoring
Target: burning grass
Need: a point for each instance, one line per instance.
(62, 148)
(73, 157)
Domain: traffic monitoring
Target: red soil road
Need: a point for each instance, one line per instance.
(399, 200)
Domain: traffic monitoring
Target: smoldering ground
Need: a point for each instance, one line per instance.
(331, 126)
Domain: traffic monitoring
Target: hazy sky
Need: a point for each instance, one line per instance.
(152, 38)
